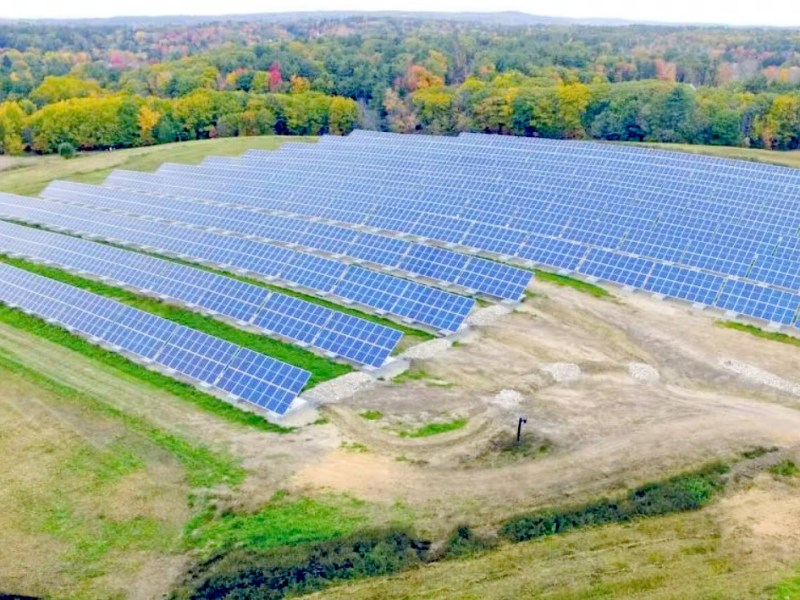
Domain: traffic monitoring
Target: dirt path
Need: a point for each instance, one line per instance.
(608, 429)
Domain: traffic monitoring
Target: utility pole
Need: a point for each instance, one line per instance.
(522, 421)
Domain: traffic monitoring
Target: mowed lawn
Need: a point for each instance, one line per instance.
(784, 159)
(31, 174)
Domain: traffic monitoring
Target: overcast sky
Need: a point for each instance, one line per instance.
(734, 12)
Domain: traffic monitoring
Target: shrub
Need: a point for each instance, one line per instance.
(465, 542)
(294, 570)
(66, 150)
(689, 491)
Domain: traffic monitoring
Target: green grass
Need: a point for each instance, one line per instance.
(784, 159)
(31, 175)
(204, 468)
(422, 375)
(577, 284)
(57, 335)
(435, 429)
(774, 336)
(788, 590)
(785, 468)
(372, 415)
(281, 522)
(355, 447)
(321, 369)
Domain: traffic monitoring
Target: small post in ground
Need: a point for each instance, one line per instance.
(522, 421)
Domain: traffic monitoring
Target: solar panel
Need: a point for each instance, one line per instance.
(204, 359)
(272, 312)
(342, 242)
(710, 231)
(246, 256)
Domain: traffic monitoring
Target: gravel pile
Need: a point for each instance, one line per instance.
(339, 388)
(761, 376)
(643, 372)
(507, 399)
(488, 315)
(427, 349)
(563, 372)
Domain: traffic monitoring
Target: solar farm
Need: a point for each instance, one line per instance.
(441, 279)
(409, 228)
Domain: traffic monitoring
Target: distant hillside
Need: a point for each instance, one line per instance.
(509, 18)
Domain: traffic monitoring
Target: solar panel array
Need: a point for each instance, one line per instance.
(272, 313)
(211, 362)
(385, 294)
(710, 231)
(442, 266)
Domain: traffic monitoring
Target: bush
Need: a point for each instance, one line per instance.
(295, 570)
(66, 150)
(465, 542)
(689, 491)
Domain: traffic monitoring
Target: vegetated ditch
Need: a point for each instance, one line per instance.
(304, 568)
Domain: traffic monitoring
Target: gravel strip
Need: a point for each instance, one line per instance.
(427, 349)
(563, 372)
(339, 388)
(488, 315)
(643, 372)
(761, 376)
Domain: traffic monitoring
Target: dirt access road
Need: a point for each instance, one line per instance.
(653, 396)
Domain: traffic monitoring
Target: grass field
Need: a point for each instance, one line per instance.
(30, 175)
(679, 556)
(96, 496)
(784, 159)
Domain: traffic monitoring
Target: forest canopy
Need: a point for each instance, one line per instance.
(113, 86)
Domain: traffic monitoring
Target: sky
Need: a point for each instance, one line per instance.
(732, 12)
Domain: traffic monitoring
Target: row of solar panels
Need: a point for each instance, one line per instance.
(762, 258)
(400, 298)
(213, 363)
(738, 189)
(527, 215)
(698, 164)
(739, 249)
(512, 187)
(444, 266)
(335, 333)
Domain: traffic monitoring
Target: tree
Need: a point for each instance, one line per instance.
(53, 89)
(399, 115)
(343, 116)
(148, 119)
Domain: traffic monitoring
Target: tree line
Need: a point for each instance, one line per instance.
(98, 87)
(125, 121)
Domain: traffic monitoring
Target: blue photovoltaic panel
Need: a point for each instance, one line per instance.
(340, 332)
(263, 381)
(338, 240)
(292, 318)
(552, 252)
(678, 225)
(758, 301)
(196, 354)
(624, 270)
(685, 284)
(271, 262)
(778, 271)
(214, 363)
